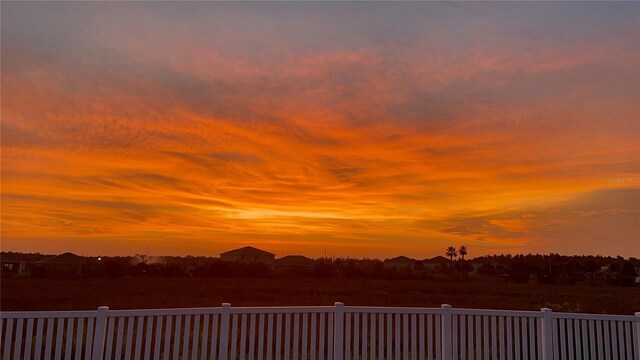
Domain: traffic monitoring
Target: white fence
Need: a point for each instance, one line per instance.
(332, 332)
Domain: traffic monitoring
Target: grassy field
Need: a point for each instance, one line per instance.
(123, 293)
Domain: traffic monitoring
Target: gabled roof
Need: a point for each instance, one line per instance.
(66, 258)
(295, 260)
(400, 259)
(436, 260)
(247, 250)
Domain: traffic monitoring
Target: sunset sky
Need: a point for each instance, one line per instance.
(366, 129)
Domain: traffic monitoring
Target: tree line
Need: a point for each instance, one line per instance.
(541, 268)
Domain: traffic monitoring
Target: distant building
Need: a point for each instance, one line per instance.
(67, 264)
(436, 262)
(399, 262)
(249, 255)
(13, 263)
(294, 262)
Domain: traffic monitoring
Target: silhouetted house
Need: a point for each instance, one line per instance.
(67, 264)
(436, 262)
(13, 263)
(399, 262)
(294, 262)
(248, 255)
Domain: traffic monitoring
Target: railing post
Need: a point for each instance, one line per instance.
(224, 331)
(338, 331)
(445, 330)
(547, 334)
(99, 333)
(636, 334)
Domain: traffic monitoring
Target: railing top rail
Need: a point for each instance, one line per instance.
(307, 310)
(47, 314)
(490, 312)
(583, 316)
(157, 312)
(282, 309)
(392, 310)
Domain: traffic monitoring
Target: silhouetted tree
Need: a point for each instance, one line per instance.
(462, 251)
(451, 253)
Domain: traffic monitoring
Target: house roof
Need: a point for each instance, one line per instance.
(294, 260)
(247, 250)
(66, 258)
(436, 260)
(12, 257)
(400, 259)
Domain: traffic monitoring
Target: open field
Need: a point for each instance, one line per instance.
(123, 293)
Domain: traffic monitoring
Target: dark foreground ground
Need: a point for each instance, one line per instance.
(131, 293)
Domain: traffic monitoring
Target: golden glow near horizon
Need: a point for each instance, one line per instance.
(366, 129)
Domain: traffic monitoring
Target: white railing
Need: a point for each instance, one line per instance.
(325, 332)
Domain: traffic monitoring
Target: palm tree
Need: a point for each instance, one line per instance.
(462, 251)
(451, 253)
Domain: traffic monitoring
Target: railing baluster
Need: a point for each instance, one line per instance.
(261, 337)
(287, 336)
(627, 325)
(600, 343)
(509, 335)
(215, 323)
(621, 340)
(177, 335)
(128, 343)
(108, 338)
(204, 343)
(614, 340)
(49, 338)
(139, 331)
(119, 337)
(252, 336)
(269, 336)
(29, 339)
(414, 340)
(59, 334)
(364, 336)
(7, 338)
(429, 336)
(397, 338)
(405, 336)
(148, 338)
(485, 335)
(158, 340)
(243, 336)
(577, 337)
(356, 336)
(381, 334)
(494, 338)
(167, 337)
(234, 336)
(592, 340)
(305, 324)
(460, 349)
(279, 336)
(18, 346)
(422, 333)
(296, 337)
(372, 336)
(195, 339)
